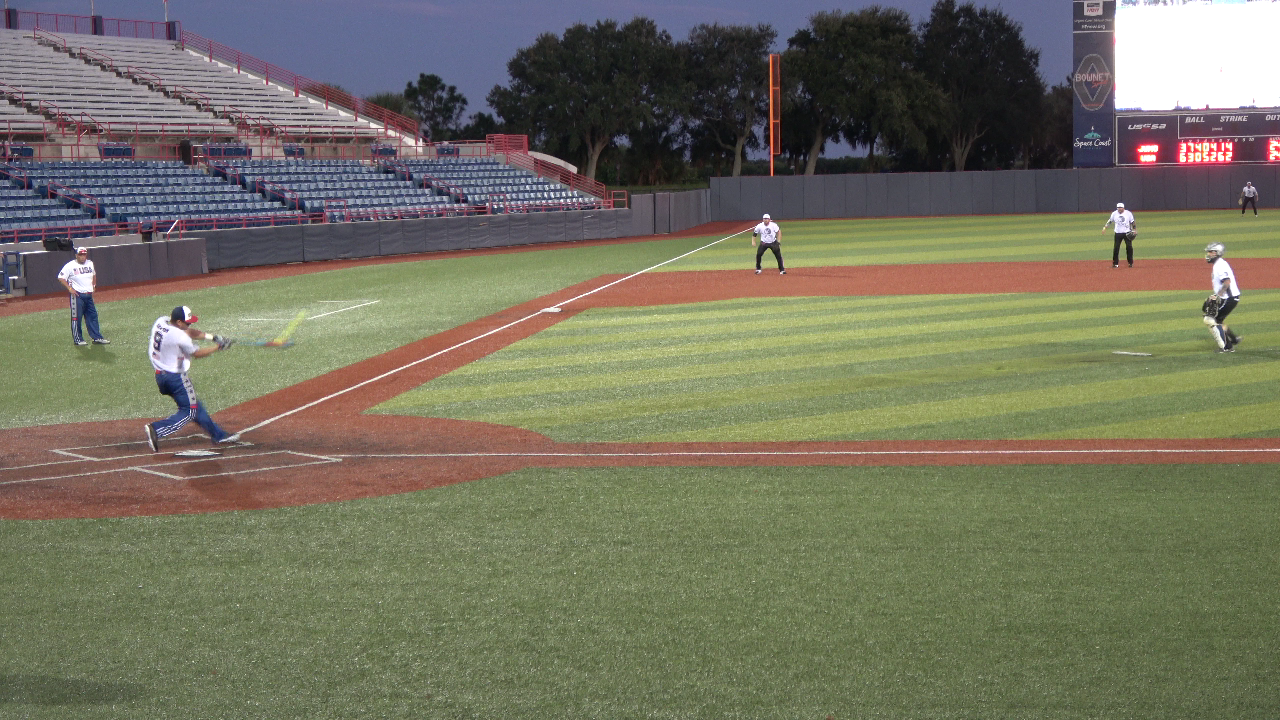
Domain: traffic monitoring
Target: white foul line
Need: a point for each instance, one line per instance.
(335, 312)
(513, 323)
(820, 453)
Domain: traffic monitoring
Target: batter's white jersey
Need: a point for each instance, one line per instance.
(171, 347)
(79, 275)
(1122, 219)
(1222, 273)
(768, 232)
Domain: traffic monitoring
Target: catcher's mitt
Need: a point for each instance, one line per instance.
(1211, 306)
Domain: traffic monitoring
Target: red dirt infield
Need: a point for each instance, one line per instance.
(319, 447)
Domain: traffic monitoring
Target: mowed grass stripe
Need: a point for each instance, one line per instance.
(803, 378)
(801, 325)
(1251, 420)
(1078, 236)
(973, 407)
(782, 353)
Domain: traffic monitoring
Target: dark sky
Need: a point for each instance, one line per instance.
(368, 46)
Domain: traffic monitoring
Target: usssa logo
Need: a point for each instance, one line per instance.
(1092, 82)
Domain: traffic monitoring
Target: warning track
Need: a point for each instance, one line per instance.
(331, 451)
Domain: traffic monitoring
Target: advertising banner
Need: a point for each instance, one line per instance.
(1093, 82)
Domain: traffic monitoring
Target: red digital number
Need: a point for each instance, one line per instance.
(1206, 151)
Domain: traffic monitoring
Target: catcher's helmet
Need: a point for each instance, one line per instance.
(1213, 251)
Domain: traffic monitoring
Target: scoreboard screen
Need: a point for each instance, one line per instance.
(1198, 138)
(1175, 54)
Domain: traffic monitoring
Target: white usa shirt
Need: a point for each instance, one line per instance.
(1222, 274)
(79, 275)
(768, 232)
(1123, 220)
(171, 347)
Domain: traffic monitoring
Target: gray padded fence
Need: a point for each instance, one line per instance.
(1092, 190)
(118, 264)
(327, 241)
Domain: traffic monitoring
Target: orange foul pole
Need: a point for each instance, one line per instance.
(775, 109)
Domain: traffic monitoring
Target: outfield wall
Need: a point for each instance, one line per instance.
(649, 214)
(117, 264)
(328, 241)
(1093, 190)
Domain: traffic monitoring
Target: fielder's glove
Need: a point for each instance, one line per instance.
(1211, 306)
(222, 342)
(1130, 235)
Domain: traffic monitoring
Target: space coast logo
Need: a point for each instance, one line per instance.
(1092, 139)
(1092, 82)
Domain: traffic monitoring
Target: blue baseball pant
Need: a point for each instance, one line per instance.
(178, 386)
(82, 308)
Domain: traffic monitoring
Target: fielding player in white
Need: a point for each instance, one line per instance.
(1125, 227)
(172, 348)
(770, 237)
(80, 279)
(1225, 289)
(1249, 196)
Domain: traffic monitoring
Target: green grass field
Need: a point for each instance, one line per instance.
(964, 592)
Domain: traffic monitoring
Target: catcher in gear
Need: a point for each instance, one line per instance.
(1225, 297)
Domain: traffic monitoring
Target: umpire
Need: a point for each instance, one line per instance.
(1124, 223)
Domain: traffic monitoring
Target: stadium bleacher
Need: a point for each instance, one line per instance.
(486, 181)
(54, 83)
(92, 112)
(147, 192)
(353, 189)
(223, 90)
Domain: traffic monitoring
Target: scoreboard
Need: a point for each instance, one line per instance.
(1204, 137)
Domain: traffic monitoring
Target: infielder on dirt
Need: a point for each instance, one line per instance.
(770, 237)
(172, 348)
(1225, 297)
(1126, 229)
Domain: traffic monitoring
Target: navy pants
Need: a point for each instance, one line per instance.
(82, 308)
(178, 386)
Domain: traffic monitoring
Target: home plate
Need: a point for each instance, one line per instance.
(551, 309)
(196, 453)
(1123, 352)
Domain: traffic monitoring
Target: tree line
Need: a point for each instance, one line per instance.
(959, 91)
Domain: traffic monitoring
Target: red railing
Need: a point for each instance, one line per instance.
(55, 40)
(40, 234)
(97, 58)
(507, 144)
(200, 100)
(320, 91)
(83, 25)
(146, 77)
(83, 199)
(561, 175)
